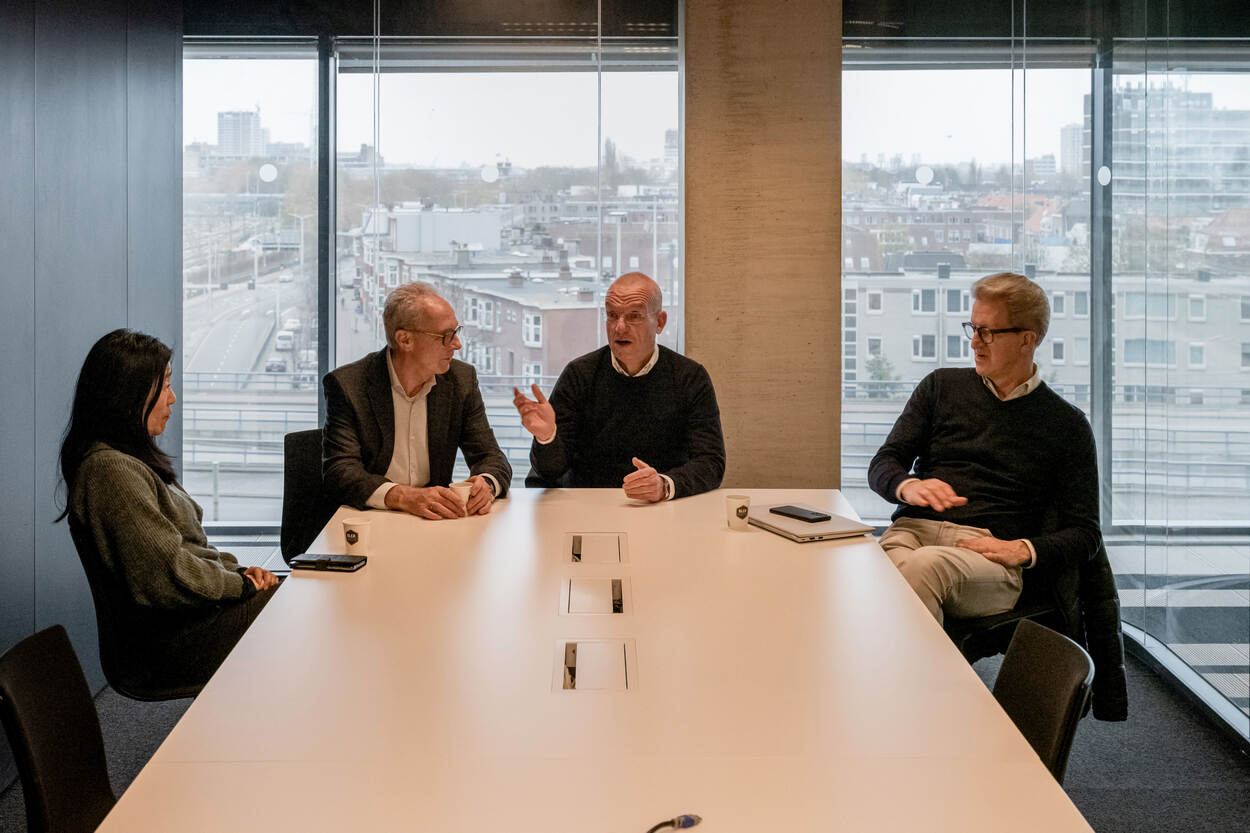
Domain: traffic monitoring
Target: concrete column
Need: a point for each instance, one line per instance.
(763, 231)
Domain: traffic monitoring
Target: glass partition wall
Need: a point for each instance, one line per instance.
(519, 177)
(963, 157)
(1180, 286)
(249, 283)
(519, 170)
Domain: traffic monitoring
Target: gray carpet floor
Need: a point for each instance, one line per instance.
(1165, 769)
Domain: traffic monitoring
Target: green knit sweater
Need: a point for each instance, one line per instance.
(148, 536)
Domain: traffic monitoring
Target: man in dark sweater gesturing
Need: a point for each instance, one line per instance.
(631, 414)
(1005, 476)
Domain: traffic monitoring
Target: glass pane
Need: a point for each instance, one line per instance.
(1181, 441)
(930, 204)
(640, 177)
(1171, 315)
(249, 349)
(519, 181)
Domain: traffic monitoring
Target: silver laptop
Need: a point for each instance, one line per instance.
(802, 531)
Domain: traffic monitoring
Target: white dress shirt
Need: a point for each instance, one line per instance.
(410, 461)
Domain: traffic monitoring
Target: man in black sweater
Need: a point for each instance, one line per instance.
(1005, 476)
(631, 414)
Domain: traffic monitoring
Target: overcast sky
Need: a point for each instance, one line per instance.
(444, 120)
(954, 115)
(549, 118)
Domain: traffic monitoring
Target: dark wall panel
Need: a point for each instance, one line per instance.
(1052, 19)
(621, 18)
(17, 375)
(153, 162)
(80, 263)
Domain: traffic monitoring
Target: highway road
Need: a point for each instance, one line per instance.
(233, 329)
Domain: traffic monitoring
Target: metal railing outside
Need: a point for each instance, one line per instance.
(1202, 461)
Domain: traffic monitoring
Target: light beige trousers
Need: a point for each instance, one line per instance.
(950, 580)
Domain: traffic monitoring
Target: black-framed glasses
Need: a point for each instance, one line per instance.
(447, 336)
(986, 334)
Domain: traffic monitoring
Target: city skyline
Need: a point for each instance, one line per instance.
(552, 123)
(936, 117)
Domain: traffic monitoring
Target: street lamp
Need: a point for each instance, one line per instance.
(655, 238)
(301, 217)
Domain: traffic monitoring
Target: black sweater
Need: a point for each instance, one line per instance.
(667, 418)
(1027, 466)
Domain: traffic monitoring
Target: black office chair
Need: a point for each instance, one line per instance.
(1044, 685)
(125, 632)
(305, 507)
(52, 726)
(986, 636)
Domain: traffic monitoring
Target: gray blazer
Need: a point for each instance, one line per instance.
(359, 437)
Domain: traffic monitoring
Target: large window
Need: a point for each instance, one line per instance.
(1153, 258)
(520, 180)
(520, 177)
(250, 312)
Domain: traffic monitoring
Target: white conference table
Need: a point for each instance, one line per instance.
(772, 686)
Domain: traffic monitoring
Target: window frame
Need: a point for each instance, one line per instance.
(1201, 364)
(532, 328)
(1189, 307)
(917, 301)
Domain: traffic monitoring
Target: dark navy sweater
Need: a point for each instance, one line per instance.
(1027, 466)
(667, 418)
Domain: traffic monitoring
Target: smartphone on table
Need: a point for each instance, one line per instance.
(800, 513)
(328, 561)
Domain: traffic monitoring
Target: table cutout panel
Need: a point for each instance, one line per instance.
(595, 547)
(580, 596)
(594, 665)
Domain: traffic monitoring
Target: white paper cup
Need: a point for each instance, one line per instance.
(736, 508)
(462, 490)
(356, 533)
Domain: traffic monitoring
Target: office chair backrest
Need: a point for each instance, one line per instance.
(1043, 685)
(52, 726)
(305, 508)
(125, 633)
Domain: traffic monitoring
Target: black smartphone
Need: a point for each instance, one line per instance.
(800, 514)
(326, 561)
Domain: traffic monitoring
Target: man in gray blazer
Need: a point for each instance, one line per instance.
(395, 418)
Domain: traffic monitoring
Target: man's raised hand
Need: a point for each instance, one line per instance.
(932, 492)
(537, 415)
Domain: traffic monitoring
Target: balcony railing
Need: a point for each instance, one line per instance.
(234, 424)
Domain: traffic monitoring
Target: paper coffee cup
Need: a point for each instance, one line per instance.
(736, 509)
(462, 490)
(356, 534)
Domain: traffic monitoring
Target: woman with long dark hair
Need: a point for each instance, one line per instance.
(185, 603)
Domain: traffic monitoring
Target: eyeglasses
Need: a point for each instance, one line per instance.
(986, 334)
(631, 318)
(447, 336)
